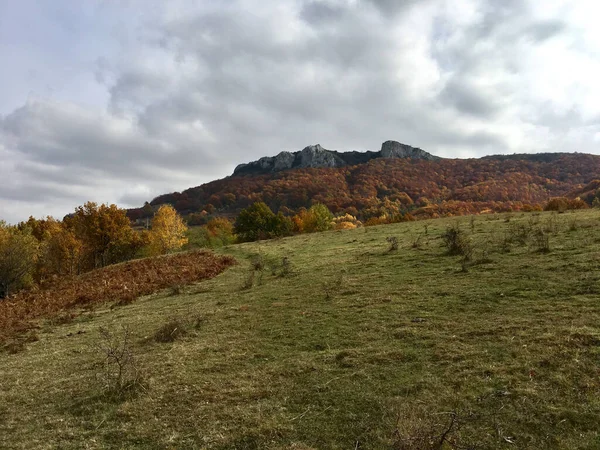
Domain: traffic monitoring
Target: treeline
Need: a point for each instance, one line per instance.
(93, 236)
(259, 222)
(425, 189)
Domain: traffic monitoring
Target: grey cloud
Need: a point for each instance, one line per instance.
(316, 12)
(393, 7)
(542, 31)
(190, 95)
(467, 98)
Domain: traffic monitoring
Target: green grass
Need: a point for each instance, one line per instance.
(357, 347)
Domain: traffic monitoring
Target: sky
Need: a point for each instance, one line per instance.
(118, 101)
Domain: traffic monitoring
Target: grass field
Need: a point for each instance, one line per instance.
(341, 345)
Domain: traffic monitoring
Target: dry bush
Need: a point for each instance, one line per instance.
(552, 224)
(540, 241)
(121, 283)
(457, 242)
(417, 243)
(176, 289)
(258, 262)
(573, 224)
(518, 233)
(393, 241)
(286, 267)
(119, 375)
(249, 280)
(173, 329)
(416, 431)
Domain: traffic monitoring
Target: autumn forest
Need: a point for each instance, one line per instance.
(387, 187)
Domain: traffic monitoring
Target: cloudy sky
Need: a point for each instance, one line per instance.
(121, 100)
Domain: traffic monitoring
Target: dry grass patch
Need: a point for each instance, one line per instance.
(122, 283)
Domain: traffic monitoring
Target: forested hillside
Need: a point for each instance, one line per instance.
(387, 186)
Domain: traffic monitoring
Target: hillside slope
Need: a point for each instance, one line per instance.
(344, 344)
(426, 188)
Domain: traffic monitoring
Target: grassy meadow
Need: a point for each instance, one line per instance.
(334, 341)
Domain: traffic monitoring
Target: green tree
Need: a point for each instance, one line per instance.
(259, 222)
(318, 218)
(18, 257)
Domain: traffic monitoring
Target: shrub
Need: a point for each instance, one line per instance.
(249, 280)
(286, 267)
(120, 374)
(417, 241)
(373, 221)
(541, 241)
(393, 241)
(346, 222)
(518, 233)
(173, 329)
(561, 204)
(257, 262)
(457, 242)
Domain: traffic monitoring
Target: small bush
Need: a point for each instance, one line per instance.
(518, 233)
(286, 267)
(552, 224)
(120, 375)
(457, 242)
(257, 262)
(541, 241)
(416, 430)
(417, 241)
(173, 329)
(176, 289)
(393, 241)
(573, 224)
(14, 346)
(248, 281)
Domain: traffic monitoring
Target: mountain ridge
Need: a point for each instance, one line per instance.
(315, 156)
(367, 185)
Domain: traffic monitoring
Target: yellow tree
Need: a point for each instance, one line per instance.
(168, 231)
(105, 233)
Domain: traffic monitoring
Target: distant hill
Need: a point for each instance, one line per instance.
(398, 178)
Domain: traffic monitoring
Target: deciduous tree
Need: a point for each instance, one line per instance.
(18, 257)
(168, 231)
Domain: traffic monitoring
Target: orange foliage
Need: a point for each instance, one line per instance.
(396, 186)
(563, 203)
(119, 283)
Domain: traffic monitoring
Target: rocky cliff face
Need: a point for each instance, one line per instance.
(317, 156)
(393, 149)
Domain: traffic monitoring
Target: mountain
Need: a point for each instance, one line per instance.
(397, 179)
(316, 156)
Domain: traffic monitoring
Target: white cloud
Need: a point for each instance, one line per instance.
(158, 96)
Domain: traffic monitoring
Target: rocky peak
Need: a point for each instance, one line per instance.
(393, 149)
(317, 156)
